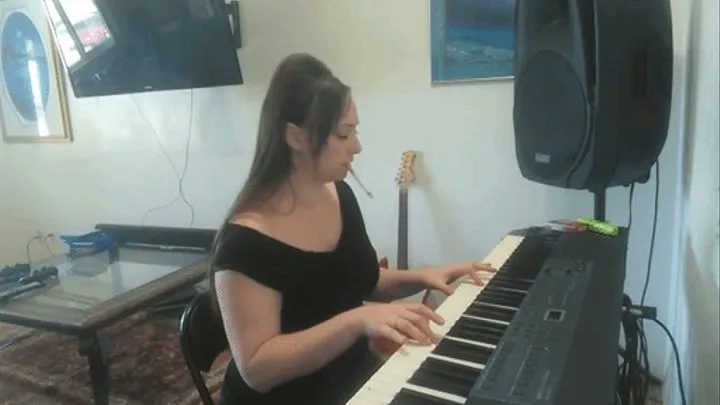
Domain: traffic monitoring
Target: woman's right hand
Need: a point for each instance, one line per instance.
(399, 322)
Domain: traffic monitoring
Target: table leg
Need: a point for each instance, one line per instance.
(95, 349)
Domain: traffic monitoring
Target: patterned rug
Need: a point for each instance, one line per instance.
(146, 365)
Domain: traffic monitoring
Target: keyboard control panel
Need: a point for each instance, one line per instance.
(528, 363)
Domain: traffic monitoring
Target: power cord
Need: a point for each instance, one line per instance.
(180, 176)
(42, 238)
(643, 349)
(681, 384)
(654, 229)
(633, 373)
(630, 206)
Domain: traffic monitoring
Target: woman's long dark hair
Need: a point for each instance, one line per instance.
(303, 91)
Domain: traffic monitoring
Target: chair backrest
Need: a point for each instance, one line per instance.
(202, 339)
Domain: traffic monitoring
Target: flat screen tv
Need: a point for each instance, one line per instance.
(111, 47)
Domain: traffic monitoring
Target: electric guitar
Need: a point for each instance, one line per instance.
(404, 178)
(382, 347)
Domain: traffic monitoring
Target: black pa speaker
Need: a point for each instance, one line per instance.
(593, 90)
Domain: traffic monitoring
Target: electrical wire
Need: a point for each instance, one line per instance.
(634, 371)
(47, 245)
(681, 385)
(178, 175)
(27, 248)
(654, 229)
(42, 238)
(643, 349)
(630, 206)
(632, 378)
(181, 190)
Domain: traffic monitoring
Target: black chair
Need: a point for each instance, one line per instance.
(202, 339)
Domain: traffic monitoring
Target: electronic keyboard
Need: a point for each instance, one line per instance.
(543, 330)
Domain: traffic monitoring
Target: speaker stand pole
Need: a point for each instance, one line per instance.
(599, 204)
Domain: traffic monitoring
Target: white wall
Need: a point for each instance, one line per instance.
(469, 190)
(697, 316)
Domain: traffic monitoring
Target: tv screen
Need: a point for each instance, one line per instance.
(114, 47)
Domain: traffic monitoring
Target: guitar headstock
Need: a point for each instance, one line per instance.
(406, 175)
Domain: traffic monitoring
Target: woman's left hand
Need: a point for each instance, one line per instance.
(440, 279)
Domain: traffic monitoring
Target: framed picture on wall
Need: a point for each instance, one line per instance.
(472, 40)
(33, 100)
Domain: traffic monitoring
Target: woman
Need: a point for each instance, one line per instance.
(293, 262)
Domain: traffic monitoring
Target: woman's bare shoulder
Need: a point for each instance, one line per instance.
(254, 219)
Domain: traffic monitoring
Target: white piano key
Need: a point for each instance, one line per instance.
(471, 342)
(490, 304)
(384, 388)
(458, 361)
(502, 251)
(511, 290)
(392, 376)
(436, 393)
(489, 320)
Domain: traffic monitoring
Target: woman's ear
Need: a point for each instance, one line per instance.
(295, 137)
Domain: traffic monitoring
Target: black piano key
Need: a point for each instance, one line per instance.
(463, 351)
(493, 297)
(410, 397)
(486, 311)
(527, 259)
(481, 323)
(519, 270)
(445, 376)
(476, 331)
(516, 296)
(505, 282)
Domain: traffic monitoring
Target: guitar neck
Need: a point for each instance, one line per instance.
(402, 253)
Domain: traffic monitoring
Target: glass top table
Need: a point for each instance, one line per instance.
(94, 291)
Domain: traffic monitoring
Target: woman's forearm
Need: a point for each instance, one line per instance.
(289, 356)
(397, 284)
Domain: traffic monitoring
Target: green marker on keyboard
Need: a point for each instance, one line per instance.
(602, 227)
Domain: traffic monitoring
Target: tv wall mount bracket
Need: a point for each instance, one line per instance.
(233, 10)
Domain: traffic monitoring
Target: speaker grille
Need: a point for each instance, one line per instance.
(550, 115)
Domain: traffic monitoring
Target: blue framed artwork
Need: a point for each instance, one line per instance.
(472, 40)
(33, 104)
